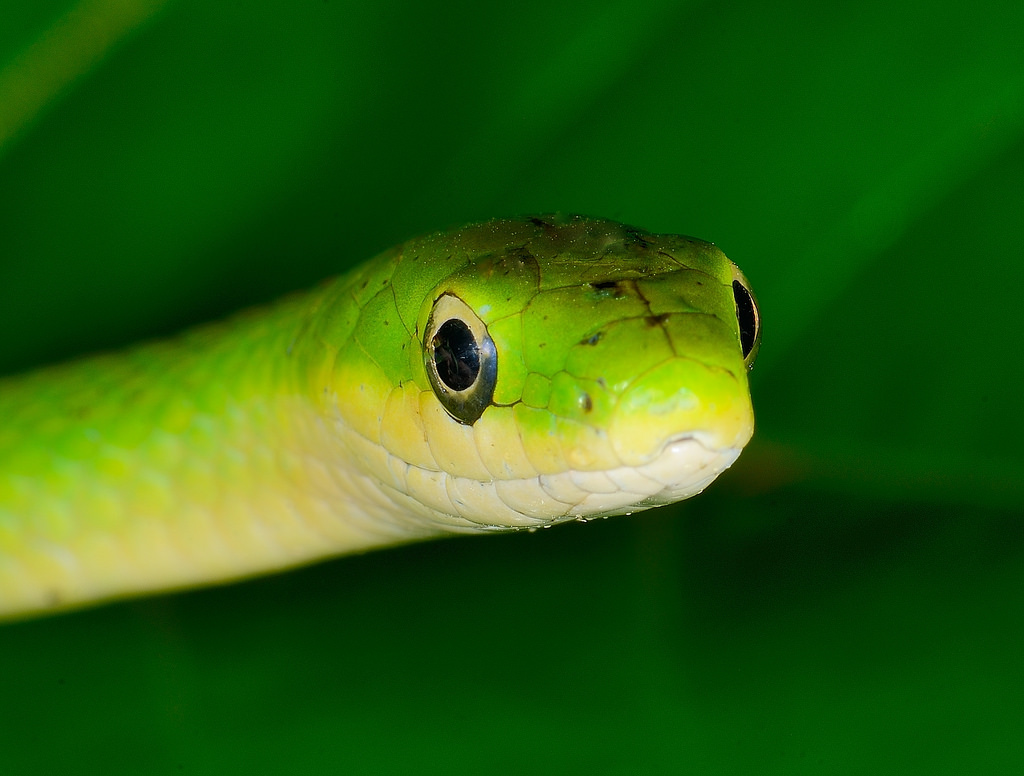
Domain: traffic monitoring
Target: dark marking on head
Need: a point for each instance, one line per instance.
(593, 339)
(586, 402)
(509, 261)
(608, 289)
(522, 253)
(656, 320)
(638, 236)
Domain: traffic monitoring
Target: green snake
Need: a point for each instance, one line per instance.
(502, 376)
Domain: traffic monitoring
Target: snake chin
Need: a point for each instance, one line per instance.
(686, 465)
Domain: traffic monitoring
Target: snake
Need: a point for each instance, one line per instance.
(506, 375)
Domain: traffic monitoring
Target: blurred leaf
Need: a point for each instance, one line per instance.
(61, 54)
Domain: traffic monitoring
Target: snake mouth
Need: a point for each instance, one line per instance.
(685, 466)
(682, 465)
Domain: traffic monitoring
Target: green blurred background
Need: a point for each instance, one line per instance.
(847, 599)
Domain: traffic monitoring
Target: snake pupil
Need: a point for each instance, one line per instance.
(456, 355)
(747, 317)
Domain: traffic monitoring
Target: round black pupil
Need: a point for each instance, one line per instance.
(746, 316)
(456, 355)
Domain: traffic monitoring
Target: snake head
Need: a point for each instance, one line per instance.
(560, 368)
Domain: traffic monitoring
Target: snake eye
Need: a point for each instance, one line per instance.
(460, 359)
(748, 316)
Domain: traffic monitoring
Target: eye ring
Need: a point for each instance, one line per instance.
(748, 317)
(460, 359)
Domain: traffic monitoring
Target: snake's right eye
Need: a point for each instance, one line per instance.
(748, 317)
(460, 359)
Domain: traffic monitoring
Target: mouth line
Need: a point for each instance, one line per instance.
(684, 466)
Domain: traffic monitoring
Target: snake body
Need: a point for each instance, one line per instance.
(505, 375)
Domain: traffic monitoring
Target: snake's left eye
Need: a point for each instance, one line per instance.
(460, 359)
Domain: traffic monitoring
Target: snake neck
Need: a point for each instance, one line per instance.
(204, 457)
